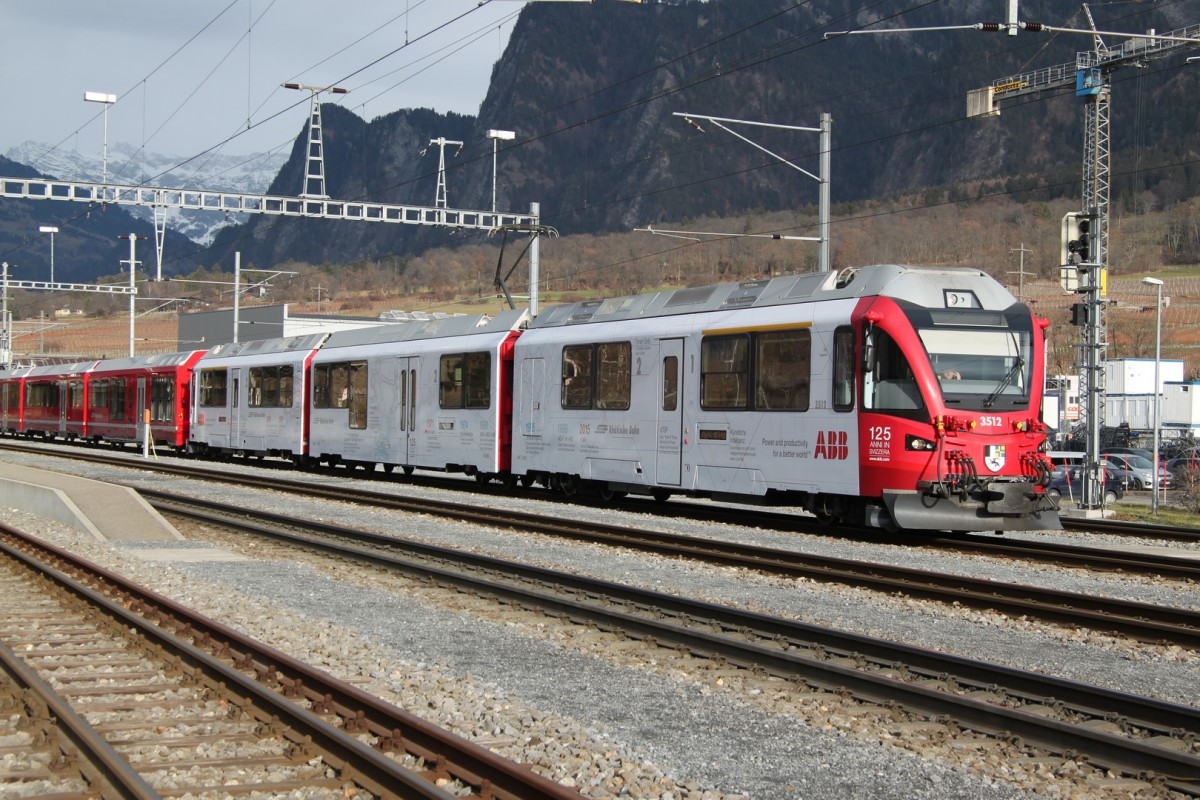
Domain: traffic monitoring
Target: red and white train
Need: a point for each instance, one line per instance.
(893, 396)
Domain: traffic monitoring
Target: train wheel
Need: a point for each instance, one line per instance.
(508, 481)
(482, 478)
(660, 495)
(408, 470)
(608, 494)
(526, 481)
(387, 468)
(567, 484)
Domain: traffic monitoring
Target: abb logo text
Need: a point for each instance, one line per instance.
(832, 445)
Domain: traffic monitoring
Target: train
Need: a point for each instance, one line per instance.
(890, 396)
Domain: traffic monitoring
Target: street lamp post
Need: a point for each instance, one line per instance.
(107, 100)
(50, 229)
(496, 135)
(1158, 285)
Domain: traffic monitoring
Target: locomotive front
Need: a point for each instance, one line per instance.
(950, 428)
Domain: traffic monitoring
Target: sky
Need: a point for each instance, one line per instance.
(191, 74)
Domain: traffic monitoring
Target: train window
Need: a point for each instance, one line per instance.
(213, 384)
(889, 384)
(783, 367)
(116, 408)
(478, 385)
(75, 394)
(577, 376)
(41, 395)
(98, 397)
(725, 371)
(465, 380)
(286, 383)
(270, 387)
(843, 369)
(412, 400)
(357, 404)
(614, 375)
(322, 390)
(450, 381)
(162, 398)
(670, 394)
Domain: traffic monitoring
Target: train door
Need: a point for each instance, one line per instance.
(669, 458)
(141, 420)
(64, 405)
(533, 382)
(406, 410)
(235, 408)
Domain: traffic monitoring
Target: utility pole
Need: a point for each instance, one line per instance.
(133, 240)
(5, 322)
(823, 179)
(1021, 273)
(314, 169)
(440, 201)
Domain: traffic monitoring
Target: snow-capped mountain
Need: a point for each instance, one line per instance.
(128, 165)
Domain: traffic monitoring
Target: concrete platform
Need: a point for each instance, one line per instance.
(108, 512)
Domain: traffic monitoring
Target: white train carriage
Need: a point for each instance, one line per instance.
(756, 392)
(248, 398)
(697, 391)
(428, 394)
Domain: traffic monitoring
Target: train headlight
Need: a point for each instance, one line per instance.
(917, 443)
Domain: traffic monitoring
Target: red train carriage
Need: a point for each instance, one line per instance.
(951, 387)
(55, 400)
(124, 395)
(12, 381)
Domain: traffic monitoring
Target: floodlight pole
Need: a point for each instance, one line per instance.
(496, 136)
(107, 100)
(823, 180)
(50, 229)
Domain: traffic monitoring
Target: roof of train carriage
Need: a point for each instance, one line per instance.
(285, 344)
(924, 286)
(412, 330)
(146, 362)
(52, 370)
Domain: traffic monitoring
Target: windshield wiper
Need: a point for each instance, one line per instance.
(1004, 382)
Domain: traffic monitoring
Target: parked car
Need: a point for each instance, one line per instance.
(1068, 481)
(1185, 469)
(1137, 471)
(1131, 451)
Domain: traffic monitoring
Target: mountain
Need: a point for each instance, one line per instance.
(591, 91)
(128, 165)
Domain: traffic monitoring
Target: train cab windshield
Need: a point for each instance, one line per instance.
(983, 360)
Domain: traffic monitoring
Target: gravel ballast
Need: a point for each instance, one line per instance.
(613, 727)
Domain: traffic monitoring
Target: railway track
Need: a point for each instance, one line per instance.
(1050, 553)
(915, 689)
(139, 697)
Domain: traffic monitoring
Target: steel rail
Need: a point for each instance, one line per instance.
(774, 519)
(1140, 620)
(398, 730)
(369, 768)
(777, 645)
(107, 773)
